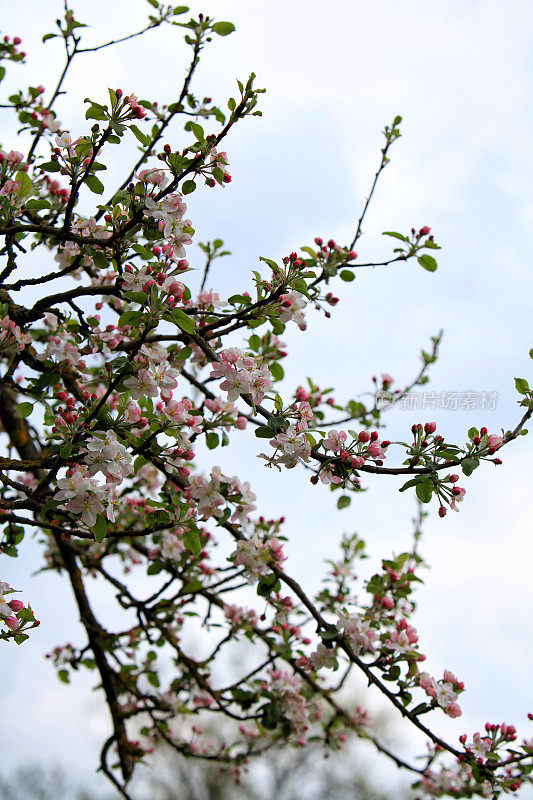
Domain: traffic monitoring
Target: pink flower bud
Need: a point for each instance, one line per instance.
(425, 230)
(430, 427)
(15, 605)
(375, 450)
(12, 623)
(364, 436)
(241, 423)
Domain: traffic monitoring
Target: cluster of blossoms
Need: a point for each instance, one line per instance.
(242, 375)
(169, 213)
(219, 490)
(11, 336)
(291, 305)
(444, 692)
(358, 632)
(226, 413)
(8, 609)
(290, 704)
(291, 446)
(257, 555)
(83, 494)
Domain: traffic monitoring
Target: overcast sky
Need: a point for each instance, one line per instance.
(459, 72)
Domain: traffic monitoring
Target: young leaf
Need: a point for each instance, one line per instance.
(346, 275)
(188, 186)
(396, 235)
(343, 501)
(99, 528)
(428, 262)
(24, 410)
(424, 491)
(223, 28)
(212, 440)
(191, 540)
(94, 184)
(183, 320)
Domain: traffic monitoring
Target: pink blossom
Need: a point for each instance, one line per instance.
(453, 710)
(334, 440)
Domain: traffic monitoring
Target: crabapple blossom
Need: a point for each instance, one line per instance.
(358, 632)
(121, 375)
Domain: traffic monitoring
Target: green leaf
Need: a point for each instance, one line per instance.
(522, 386)
(223, 28)
(262, 432)
(428, 262)
(188, 186)
(191, 587)
(267, 584)
(241, 299)
(211, 440)
(191, 541)
(66, 450)
(270, 263)
(276, 371)
(183, 354)
(183, 320)
(50, 166)
(99, 528)
(424, 491)
(140, 136)
(37, 204)
(343, 501)
(24, 182)
(63, 675)
(94, 184)
(48, 36)
(469, 465)
(130, 318)
(254, 342)
(277, 326)
(396, 235)
(197, 130)
(93, 112)
(409, 484)
(346, 275)
(24, 410)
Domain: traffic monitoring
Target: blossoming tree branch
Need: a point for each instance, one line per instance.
(116, 370)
